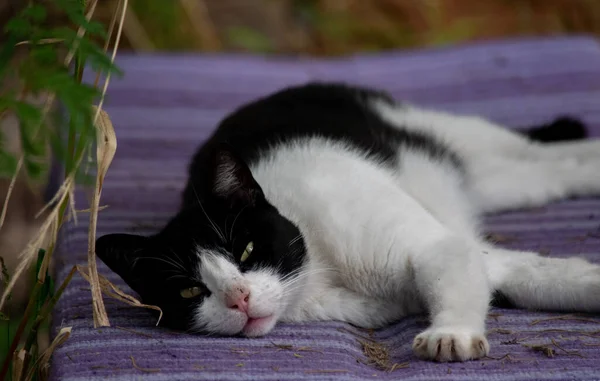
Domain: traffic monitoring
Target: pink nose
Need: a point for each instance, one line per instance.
(237, 298)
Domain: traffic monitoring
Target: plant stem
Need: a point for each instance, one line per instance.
(17, 338)
(47, 308)
(33, 299)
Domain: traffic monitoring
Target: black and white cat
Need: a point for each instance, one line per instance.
(328, 202)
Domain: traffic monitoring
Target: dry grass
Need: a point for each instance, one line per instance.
(566, 317)
(109, 289)
(105, 150)
(145, 370)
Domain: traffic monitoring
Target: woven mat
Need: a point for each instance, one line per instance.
(167, 104)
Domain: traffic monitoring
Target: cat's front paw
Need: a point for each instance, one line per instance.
(450, 344)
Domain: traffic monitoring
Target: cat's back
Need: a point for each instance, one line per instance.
(336, 112)
(317, 116)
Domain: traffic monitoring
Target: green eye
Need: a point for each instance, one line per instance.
(191, 292)
(247, 252)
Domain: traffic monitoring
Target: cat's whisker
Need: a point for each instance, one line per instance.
(234, 221)
(295, 239)
(214, 226)
(294, 283)
(297, 276)
(167, 261)
(177, 255)
(177, 276)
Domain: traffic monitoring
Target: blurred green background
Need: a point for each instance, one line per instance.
(335, 27)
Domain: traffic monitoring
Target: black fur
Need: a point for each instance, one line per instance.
(562, 129)
(158, 267)
(333, 111)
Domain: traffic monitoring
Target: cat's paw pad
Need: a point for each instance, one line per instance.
(450, 344)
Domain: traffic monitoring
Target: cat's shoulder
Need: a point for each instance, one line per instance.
(333, 111)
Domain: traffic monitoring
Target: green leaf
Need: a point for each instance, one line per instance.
(27, 112)
(40, 259)
(35, 12)
(32, 146)
(75, 13)
(97, 59)
(34, 170)
(19, 27)
(6, 53)
(44, 55)
(8, 164)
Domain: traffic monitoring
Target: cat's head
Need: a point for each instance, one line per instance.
(232, 264)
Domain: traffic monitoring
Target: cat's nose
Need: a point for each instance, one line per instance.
(237, 298)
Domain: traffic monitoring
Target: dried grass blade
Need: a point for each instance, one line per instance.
(115, 292)
(29, 253)
(47, 106)
(43, 363)
(107, 144)
(43, 41)
(111, 29)
(147, 370)
(89, 210)
(105, 151)
(20, 360)
(9, 191)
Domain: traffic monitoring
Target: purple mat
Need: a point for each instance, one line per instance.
(166, 105)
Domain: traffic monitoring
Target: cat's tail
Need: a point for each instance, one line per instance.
(561, 129)
(528, 280)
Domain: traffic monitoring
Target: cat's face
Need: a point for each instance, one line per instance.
(228, 266)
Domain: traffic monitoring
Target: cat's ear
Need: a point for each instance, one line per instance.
(120, 253)
(233, 179)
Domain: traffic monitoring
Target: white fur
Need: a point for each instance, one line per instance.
(221, 276)
(386, 242)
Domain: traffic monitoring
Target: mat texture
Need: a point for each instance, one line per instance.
(167, 104)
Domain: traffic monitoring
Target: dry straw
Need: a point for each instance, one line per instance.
(105, 150)
(29, 254)
(44, 360)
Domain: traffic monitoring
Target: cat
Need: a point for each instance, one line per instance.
(326, 201)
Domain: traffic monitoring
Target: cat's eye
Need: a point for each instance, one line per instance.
(247, 252)
(190, 292)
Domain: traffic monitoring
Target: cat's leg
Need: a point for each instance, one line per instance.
(529, 280)
(404, 250)
(581, 150)
(450, 280)
(501, 183)
(382, 243)
(398, 251)
(474, 137)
